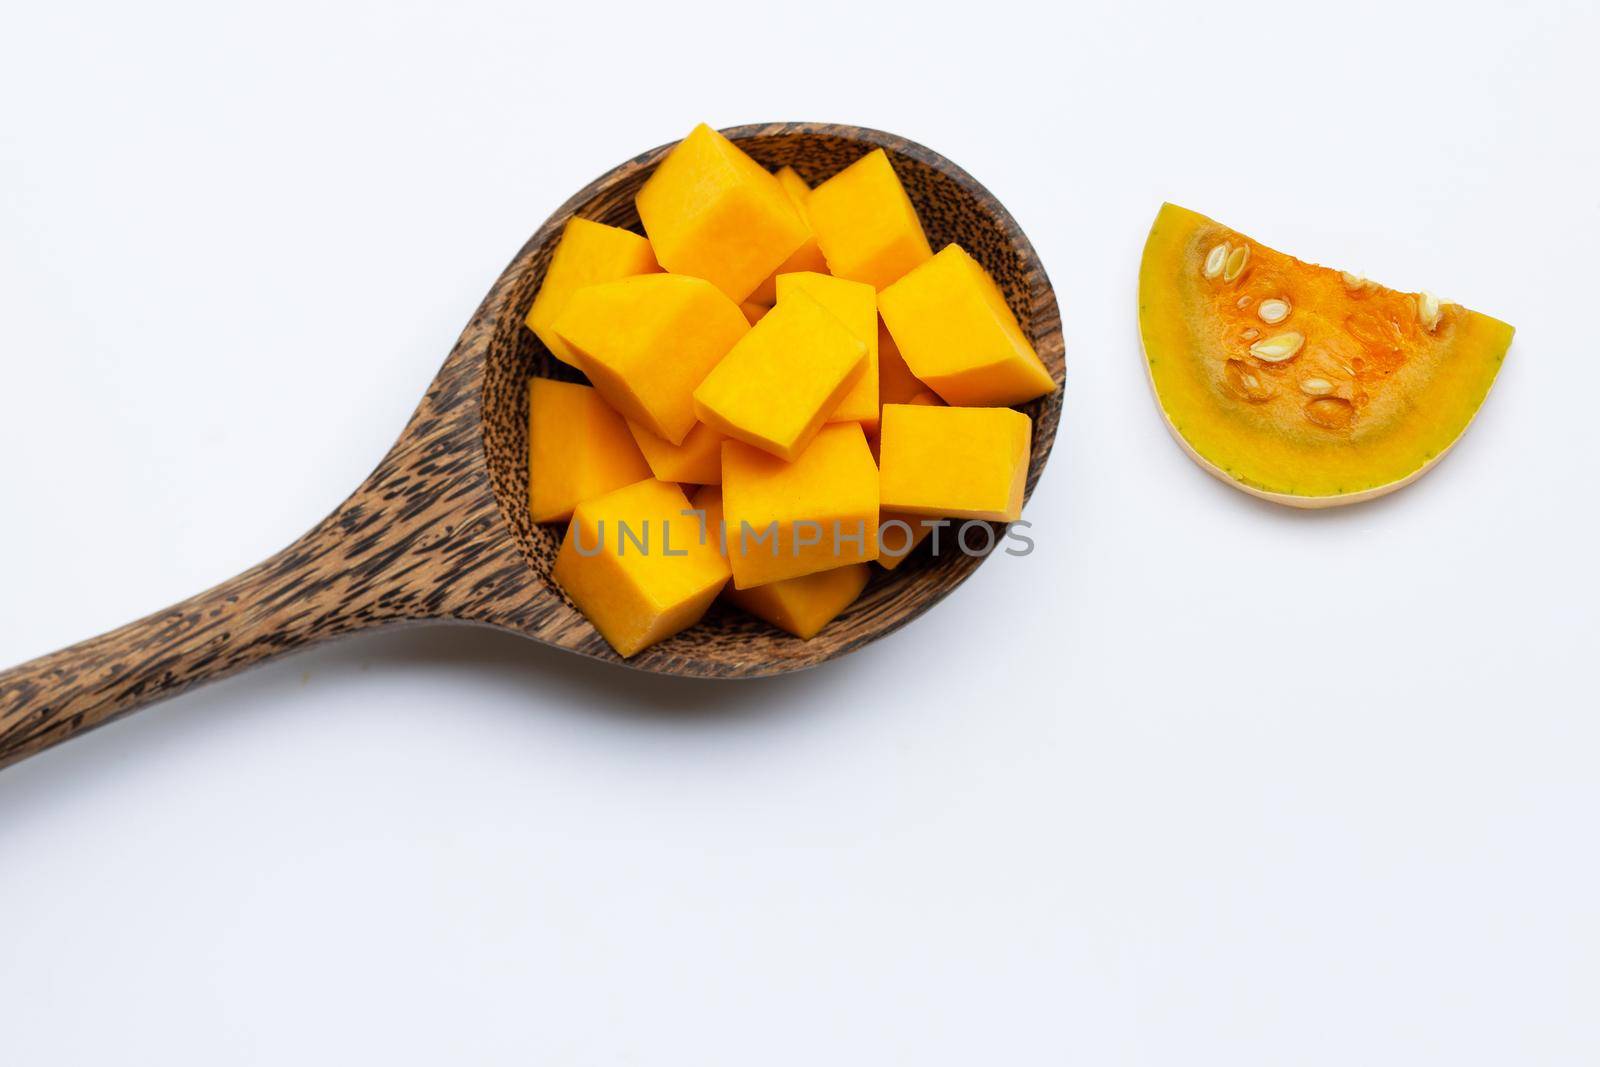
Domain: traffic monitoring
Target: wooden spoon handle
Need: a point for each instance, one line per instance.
(422, 538)
(310, 591)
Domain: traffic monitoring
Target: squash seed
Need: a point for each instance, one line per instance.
(1242, 379)
(1273, 311)
(1242, 303)
(1251, 334)
(1215, 259)
(1428, 310)
(1331, 412)
(1316, 386)
(1236, 261)
(1279, 347)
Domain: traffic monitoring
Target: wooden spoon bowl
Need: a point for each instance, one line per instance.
(441, 530)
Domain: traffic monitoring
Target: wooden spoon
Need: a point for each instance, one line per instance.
(441, 530)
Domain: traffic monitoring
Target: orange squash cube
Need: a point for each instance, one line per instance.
(794, 185)
(578, 448)
(713, 212)
(698, 461)
(802, 606)
(808, 257)
(646, 342)
(896, 383)
(783, 379)
(856, 305)
(895, 544)
(587, 254)
(925, 398)
(634, 563)
(789, 519)
(959, 463)
(865, 223)
(957, 334)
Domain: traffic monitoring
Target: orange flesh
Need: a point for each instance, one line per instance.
(1357, 334)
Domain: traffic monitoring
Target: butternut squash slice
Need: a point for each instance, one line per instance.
(1299, 384)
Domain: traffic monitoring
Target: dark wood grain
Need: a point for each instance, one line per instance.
(441, 530)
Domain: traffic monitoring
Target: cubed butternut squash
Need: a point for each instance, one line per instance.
(783, 379)
(587, 254)
(899, 535)
(713, 212)
(856, 305)
(698, 461)
(808, 257)
(960, 463)
(956, 332)
(814, 514)
(896, 383)
(578, 448)
(785, 355)
(646, 342)
(926, 397)
(634, 563)
(897, 543)
(794, 185)
(802, 606)
(865, 223)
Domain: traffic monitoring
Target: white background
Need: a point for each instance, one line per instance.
(1202, 781)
